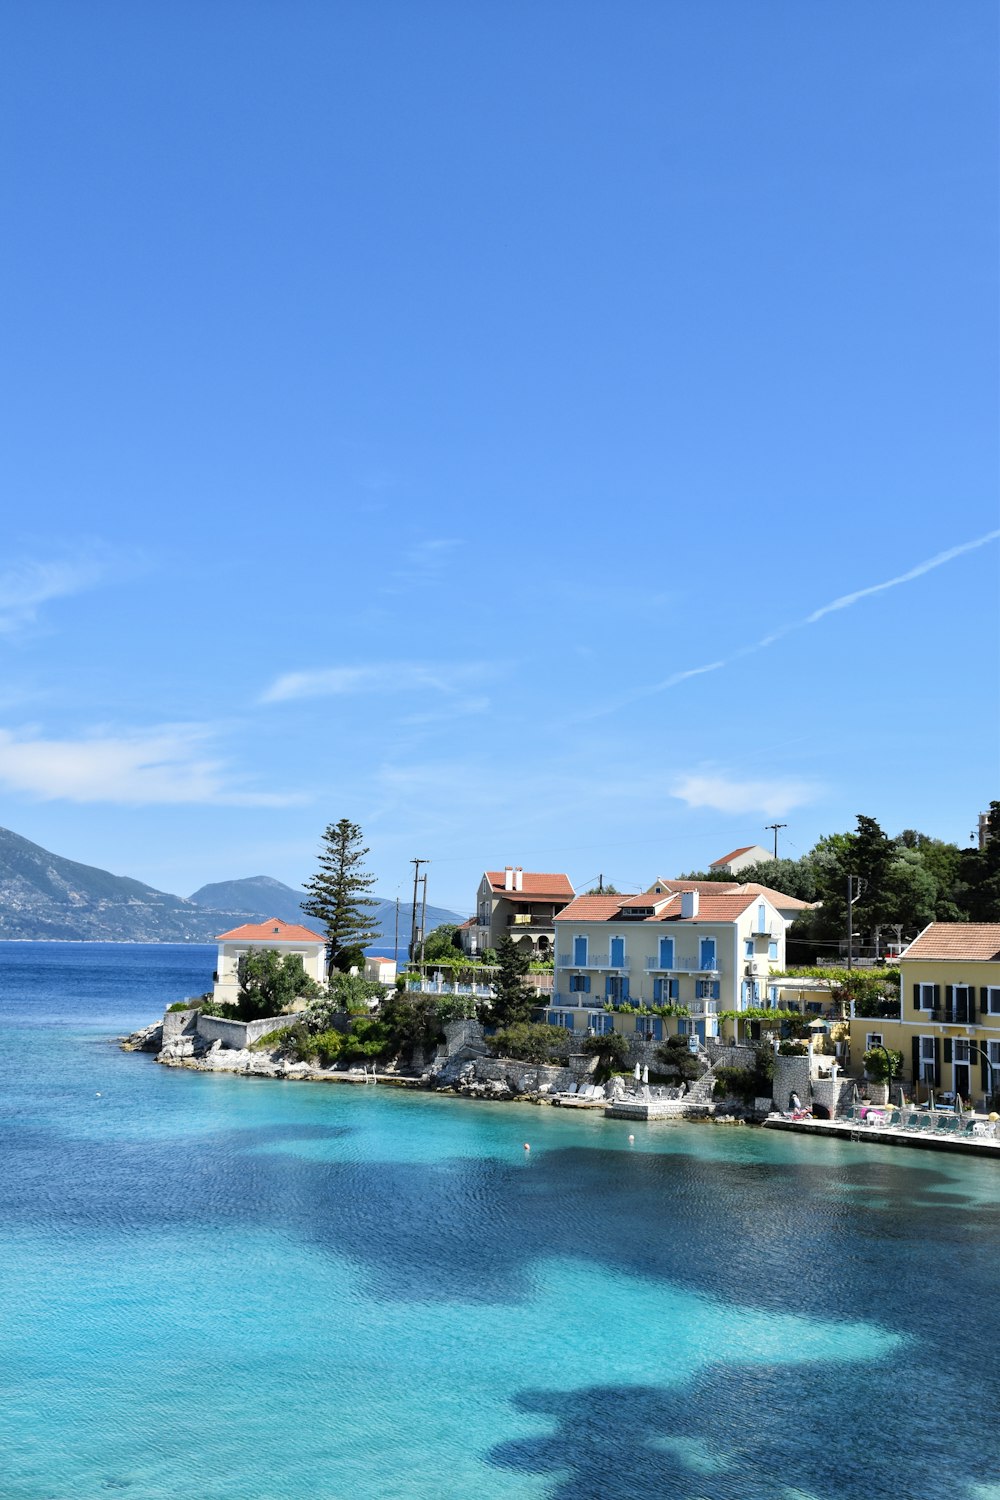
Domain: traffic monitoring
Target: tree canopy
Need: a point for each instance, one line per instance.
(337, 895)
(511, 1003)
(270, 981)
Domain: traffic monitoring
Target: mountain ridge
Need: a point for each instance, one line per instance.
(46, 897)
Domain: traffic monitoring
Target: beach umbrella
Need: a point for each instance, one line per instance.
(645, 1075)
(638, 1072)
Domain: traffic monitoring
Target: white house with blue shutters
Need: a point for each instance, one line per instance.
(706, 951)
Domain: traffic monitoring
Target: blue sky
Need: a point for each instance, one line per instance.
(464, 419)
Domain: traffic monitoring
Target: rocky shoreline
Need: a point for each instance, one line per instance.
(463, 1068)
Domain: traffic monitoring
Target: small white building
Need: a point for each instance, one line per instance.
(258, 937)
(381, 970)
(739, 859)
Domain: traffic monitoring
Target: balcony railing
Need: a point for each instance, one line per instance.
(528, 919)
(681, 966)
(594, 960)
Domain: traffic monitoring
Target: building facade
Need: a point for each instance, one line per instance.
(948, 1029)
(257, 937)
(705, 952)
(520, 904)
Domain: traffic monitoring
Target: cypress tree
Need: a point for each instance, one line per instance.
(338, 894)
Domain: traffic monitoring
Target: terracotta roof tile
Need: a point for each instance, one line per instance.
(711, 908)
(968, 941)
(734, 854)
(273, 929)
(592, 908)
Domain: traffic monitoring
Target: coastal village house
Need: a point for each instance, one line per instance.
(701, 947)
(949, 1025)
(284, 937)
(520, 904)
(739, 859)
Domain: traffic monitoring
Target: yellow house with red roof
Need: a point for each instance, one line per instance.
(702, 950)
(948, 1029)
(257, 937)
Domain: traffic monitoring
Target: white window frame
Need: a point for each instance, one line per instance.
(993, 1000)
(926, 992)
(874, 1039)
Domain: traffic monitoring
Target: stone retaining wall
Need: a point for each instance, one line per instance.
(238, 1035)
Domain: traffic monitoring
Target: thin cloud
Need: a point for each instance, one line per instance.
(725, 794)
(132, 768)
(845, 601)
(375, 677)
(422, 563)
(26, 586)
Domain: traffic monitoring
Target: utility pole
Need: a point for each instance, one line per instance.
(775, 826)
(423, 924)
(395, 943)
(416, 863)
(854, 888)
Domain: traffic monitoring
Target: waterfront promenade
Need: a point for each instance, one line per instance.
(982, 1143)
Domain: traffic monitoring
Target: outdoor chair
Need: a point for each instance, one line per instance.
(950, 1125)
(912, 1121)
(850, 1116)
(894, 1120)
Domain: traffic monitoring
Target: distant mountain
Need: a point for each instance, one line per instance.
(43, 896)
(259, 896)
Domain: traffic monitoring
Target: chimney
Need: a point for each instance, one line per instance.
(689, 903)
(508, 878)
(518, 879)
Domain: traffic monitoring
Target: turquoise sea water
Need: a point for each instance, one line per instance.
(221, 1287)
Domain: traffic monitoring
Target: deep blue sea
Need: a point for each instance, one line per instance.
(217, 1288)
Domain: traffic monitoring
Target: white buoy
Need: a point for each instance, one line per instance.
(98, 1096)
(631, 1139)
(526, 1146)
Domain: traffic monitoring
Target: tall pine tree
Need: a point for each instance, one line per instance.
(337, 895)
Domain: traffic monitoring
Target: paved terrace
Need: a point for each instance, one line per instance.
(981, 1141)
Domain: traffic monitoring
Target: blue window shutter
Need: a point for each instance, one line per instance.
(586, 984)
(673, 989)
(625, 988)
(580, 950)
(657, 1030)
(617, 952)
(608, 987)
(657, 990)
(716, 989)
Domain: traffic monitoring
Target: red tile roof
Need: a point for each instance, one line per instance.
(273, 930)
(593, 908)
(734, 854)
(967, 941)
(731, 887)
(539, 886)
(711, 908)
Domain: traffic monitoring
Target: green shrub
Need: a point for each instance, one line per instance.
(531, 1041)
(674, 1053)
(611, 1049)
(793, 1049)
(879, 1067)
